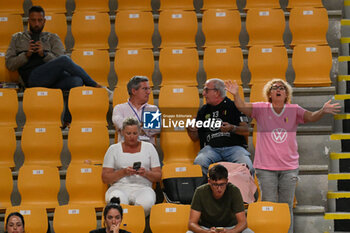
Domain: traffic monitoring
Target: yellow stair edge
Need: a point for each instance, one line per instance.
(343, 58)
(342, 117)
(334, 155)
(336, 195)
(344, 77)
(345, 22)
(337, 215)
(345, 40)
(346, 2)
(342, 97)
(339, 176)
(340, 136)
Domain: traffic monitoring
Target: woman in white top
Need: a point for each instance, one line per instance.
(130, 167)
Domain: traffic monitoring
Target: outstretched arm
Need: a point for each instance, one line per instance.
(317, 115)
(242, 106)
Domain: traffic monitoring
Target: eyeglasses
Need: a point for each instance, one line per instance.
(209, 89)
(281, 88)
(219, 184)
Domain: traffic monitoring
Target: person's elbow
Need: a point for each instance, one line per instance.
(105, 178)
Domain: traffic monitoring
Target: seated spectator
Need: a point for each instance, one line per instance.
(113, 217)
(14, 223)
(218, 206)
(226, 143)
(39, 58)
(130, 167)
(139, 91)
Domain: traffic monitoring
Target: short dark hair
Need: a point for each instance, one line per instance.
(14, 214)
(113, 204)
(218, 172)
(129, 121)
(134, 83)
(38, 9)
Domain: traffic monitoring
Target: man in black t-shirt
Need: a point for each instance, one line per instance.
(227, 142)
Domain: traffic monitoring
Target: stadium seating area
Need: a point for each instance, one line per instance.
(178, 46)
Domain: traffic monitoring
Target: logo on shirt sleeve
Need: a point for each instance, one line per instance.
(279, 135)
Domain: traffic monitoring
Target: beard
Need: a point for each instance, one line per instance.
(36, 29)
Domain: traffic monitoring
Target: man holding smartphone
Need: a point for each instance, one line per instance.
(218, 206)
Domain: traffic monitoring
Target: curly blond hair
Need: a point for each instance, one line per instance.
(269, 84)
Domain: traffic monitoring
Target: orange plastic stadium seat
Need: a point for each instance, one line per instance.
(134, 29)
(56, 23)
(9, 25)
(91, 30)
(74, 218)
(42, 145)
(179, 5)
(312, 65)
(170, 218)
(43, 106)
(133, 218)
(5, 74)
(8, 107)
(35, 217)
(88, 105)
(11, 7)
(131, 62)
(84, 185)
(267, 217)
(308, 25)
(95, 62)
(39, 186)
(267, 62)
(219, 4)
(140, 5)
(8, 146)
(177, 28)
(88, 142)
(221, 27)
(304, 3)
(91, 5)
(52, 6)
(265, 26)
(6, 186)
(179, 66)
(256, 92)
(262, 4)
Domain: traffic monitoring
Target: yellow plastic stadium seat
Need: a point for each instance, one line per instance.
(39, 186)
(221, 27)
(177, 28)
(35, 217)
(43, 106)
(95, 62)
(170, 218)
(219, 4)
(308, 25)
(312, 65)
(121, 95)
(133, 218)
(267, 217)
(5, 74)
(56, 23)
(9, 25)
(140, 5)
(256, 92)
(74, 218)
(179, 66)
(88, 142)
(131, 62)
(172, 170)
(223, 62)
(84, 185)
(91, 5)
(91, 30)
(179, 5)
(134, 29)
(88, 105)
(265, 26)
(267, 62)
(8, 107)
(262, 4)
(11, 7)
(304, 3)
(52, 6)
(42, 145)
(8, 146)
(6, 186)
(178, 147)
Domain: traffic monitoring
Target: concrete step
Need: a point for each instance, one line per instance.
(310, 219)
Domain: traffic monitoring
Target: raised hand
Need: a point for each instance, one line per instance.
(331, 108)
(231, 87)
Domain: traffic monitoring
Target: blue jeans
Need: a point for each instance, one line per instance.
(278, 186)
(235, 154)
(60, 73)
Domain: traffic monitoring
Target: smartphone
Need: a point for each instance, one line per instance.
(136, 166)
(219, 229)
(35, 37)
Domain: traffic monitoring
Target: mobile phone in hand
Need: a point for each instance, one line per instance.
(136, 166)
(219, 229)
